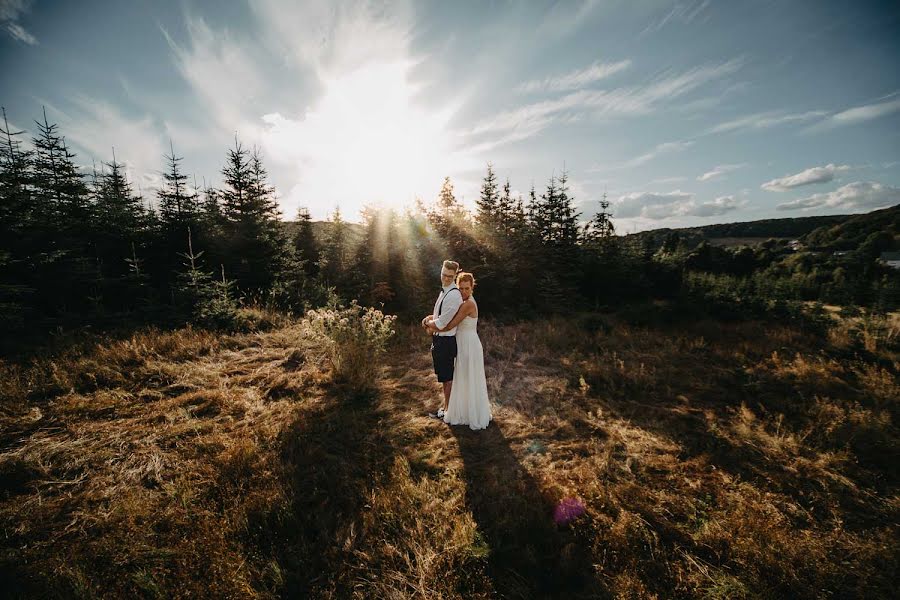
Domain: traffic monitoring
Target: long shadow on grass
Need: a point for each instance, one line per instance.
(529, 555)
(331, 457)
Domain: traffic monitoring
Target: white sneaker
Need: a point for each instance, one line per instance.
(438, 415)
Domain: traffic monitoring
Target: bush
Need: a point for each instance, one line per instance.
(354, 338)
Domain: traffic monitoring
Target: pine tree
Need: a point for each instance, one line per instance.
(178, 206)
(506, 212)
(601, 226)
(238, 181)
(15, 193)
(334, 262)
(15, 221)
(66, 272)
(564, 215)
(306, 248)
(454, 228)
(205, 301)
(488, 215)
(261, 256)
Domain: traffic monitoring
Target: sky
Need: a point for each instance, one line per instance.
(682, 113)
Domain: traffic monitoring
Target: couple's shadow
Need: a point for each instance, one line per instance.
(528, 554)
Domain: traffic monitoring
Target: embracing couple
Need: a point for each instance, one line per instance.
(456, 351)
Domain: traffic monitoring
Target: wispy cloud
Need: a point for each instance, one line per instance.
(94, 127)
(807, 177)
(332, 38)
(573, 80)
(528, 120)
(221, 72)
(720, 170)
(562, 18)
(859, 114)
(765, 120)
(10, 12)
(660, 149)
(856, 196)
(683, 12)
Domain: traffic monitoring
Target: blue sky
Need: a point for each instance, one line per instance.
(684, 113)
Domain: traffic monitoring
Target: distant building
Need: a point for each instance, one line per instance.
(891, 259)
(842, 253)
(795, 245)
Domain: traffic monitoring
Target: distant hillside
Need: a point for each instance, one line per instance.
(851, 233)
(746, 232)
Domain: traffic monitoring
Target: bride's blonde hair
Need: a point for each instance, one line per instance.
(465, 277)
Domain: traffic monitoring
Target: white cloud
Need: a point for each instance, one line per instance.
(649, 205)
(718, 171)
(222, 74)
(859, 195)
(765, 120)
(660, 206)
(664, 148)
(574, 79)
(807, 177)
(528, 120)
(562, 18)
(677, 179)
(95, 127)
(333, 38)
(712, 208)
(685, 12)
(859, 114)
(10, 12)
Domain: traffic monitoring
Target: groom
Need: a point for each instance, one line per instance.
(443, 343)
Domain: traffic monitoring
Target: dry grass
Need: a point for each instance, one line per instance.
(715, 460)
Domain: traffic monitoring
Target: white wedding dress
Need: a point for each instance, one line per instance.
(469, 403)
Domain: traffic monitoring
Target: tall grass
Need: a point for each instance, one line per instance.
(711, 459)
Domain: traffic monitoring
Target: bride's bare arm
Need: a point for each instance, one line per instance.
(465, 310)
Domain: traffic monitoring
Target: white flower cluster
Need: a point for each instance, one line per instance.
(354, 336)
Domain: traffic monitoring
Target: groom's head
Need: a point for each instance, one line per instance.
(448, 272)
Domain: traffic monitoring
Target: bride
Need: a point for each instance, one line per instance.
(469, 403)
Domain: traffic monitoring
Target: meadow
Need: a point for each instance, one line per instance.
(629, 457)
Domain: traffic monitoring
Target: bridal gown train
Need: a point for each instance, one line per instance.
(469, 403)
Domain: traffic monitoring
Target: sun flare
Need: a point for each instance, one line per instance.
(366, 141)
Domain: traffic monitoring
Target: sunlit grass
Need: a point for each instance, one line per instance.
(710, 460)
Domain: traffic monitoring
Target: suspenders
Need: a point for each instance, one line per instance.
(441, 305)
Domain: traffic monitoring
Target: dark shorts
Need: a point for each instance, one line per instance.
(443, 353)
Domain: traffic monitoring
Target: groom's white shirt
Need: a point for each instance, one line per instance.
(452, 302)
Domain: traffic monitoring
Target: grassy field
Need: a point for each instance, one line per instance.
(711, 460)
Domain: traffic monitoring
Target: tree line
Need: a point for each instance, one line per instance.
(86, 248)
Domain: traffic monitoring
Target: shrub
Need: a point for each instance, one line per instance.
(354, 338)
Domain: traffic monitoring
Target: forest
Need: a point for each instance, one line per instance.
(87, 250)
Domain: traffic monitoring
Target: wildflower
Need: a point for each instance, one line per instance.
(567, 511)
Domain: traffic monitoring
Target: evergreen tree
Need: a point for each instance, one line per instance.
(261, 255)
(306, 248)
(15, 223)
(205, 301)
(601, 226)
(335, 257)
(488, 215)
(64, 259)
(178, 205)
(453, 226)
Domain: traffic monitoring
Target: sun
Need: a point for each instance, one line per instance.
(367, 141)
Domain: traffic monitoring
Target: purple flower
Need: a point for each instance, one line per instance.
(567, 511)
